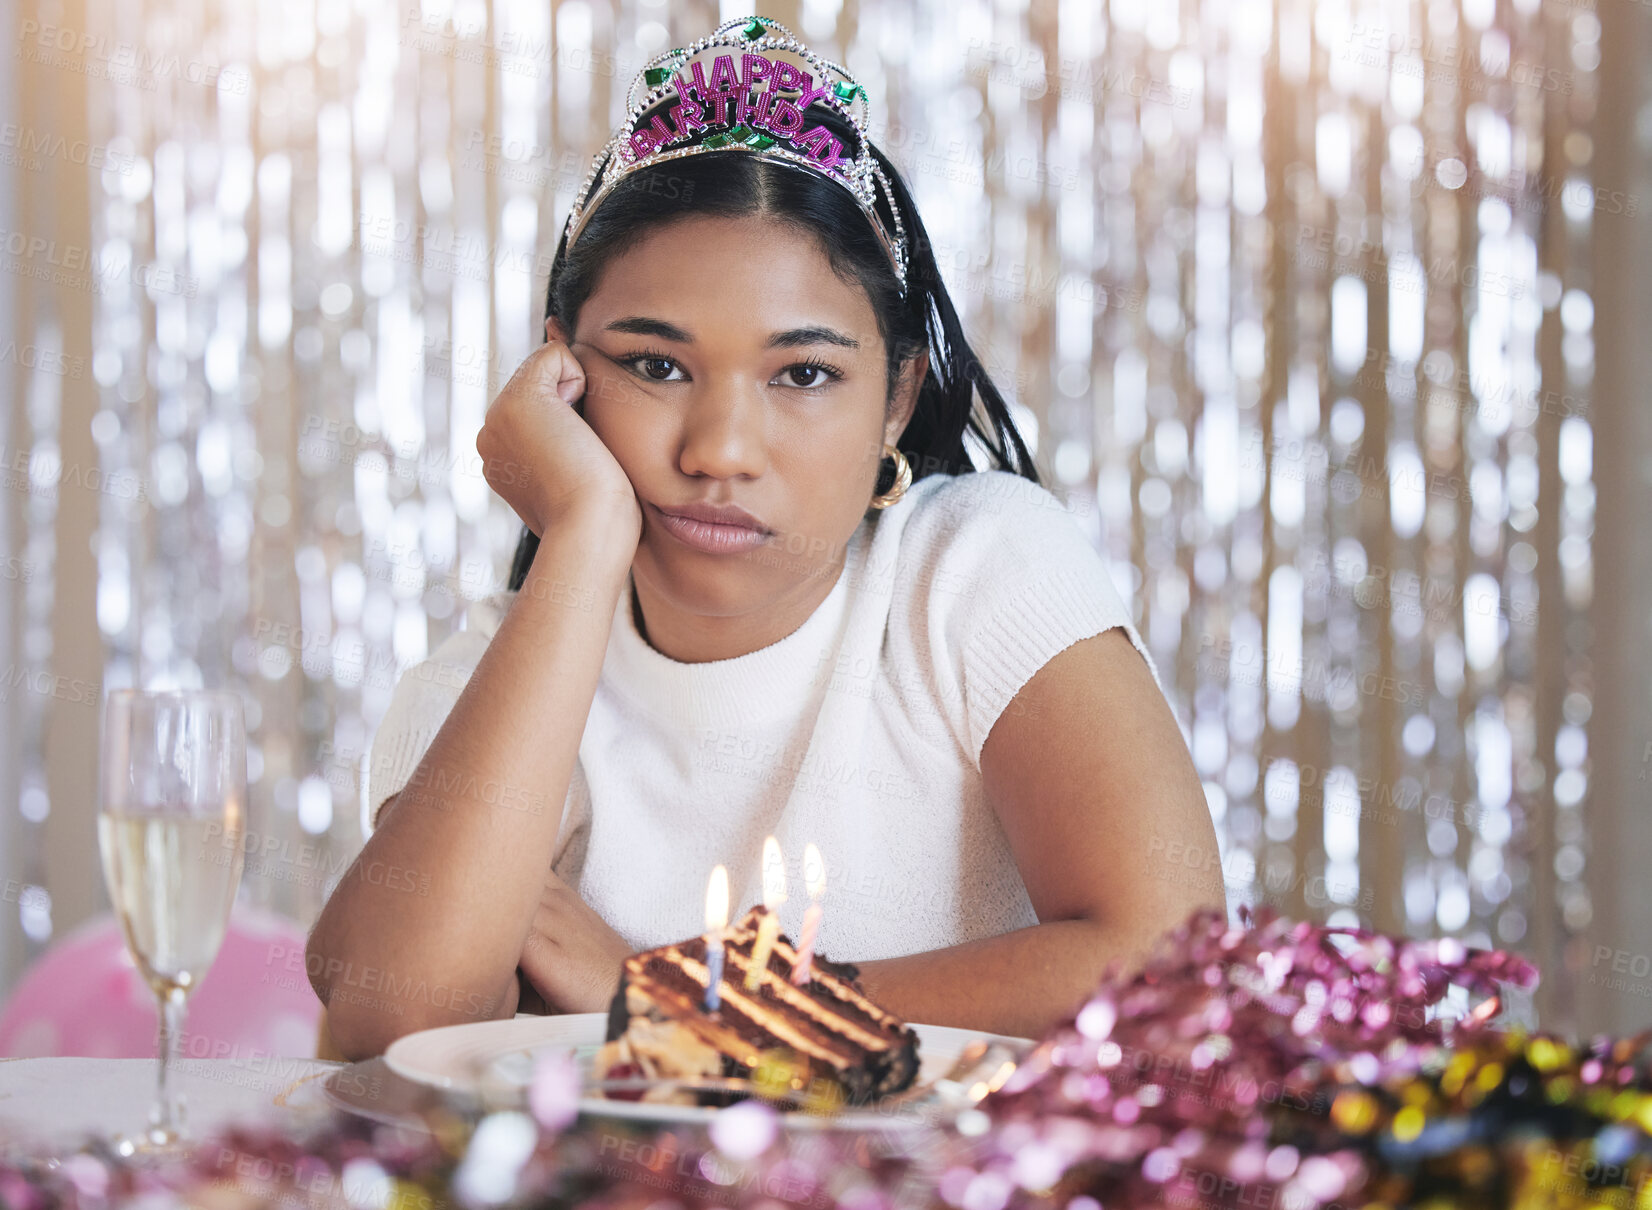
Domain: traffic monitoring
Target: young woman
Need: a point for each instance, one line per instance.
(763, 589)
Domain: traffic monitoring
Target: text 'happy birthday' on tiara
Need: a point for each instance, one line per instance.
(723, 107)
(727, 87)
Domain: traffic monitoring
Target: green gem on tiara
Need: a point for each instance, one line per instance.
(741, 133)
(655, 76)
(755, 30)
(844, 91)
(759, 140)
(716, 140)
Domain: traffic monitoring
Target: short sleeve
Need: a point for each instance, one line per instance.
(420, 703)
(1013, 582)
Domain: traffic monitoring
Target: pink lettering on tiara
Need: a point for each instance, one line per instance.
(753, 113)
(651, 137)
(782, 118)
(686, 117)
(781, 75)
(722, 74)
(694, 82)
(786, 77)
(785, 119)
(822, 147)
(754, 68)
(719, 105)
(811, 94)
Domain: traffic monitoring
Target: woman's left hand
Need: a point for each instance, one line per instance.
(572, 957)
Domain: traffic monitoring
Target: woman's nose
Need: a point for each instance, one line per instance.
(723, 433)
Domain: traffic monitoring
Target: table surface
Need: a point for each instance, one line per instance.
(56, 1103)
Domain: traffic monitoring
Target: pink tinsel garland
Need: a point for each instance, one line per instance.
(1278, 1065)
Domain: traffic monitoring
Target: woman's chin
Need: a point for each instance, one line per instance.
(695, 583)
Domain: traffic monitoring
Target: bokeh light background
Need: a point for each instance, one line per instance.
(1321, 316)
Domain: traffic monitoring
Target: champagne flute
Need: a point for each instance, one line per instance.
(170, 828)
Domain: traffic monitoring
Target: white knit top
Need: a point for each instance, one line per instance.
(860, 731)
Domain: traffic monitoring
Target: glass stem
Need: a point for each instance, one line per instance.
(166, 1117)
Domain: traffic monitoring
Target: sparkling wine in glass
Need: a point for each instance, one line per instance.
(170, 828)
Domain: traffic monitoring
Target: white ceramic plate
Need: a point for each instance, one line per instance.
(457, 1058)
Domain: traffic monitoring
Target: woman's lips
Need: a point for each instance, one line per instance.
(708, 538)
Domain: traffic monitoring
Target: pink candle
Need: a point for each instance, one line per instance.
(814, 874)
(806, 945)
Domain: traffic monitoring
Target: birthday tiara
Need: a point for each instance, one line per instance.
(716, 98)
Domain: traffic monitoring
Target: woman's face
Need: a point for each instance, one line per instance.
(727, 363)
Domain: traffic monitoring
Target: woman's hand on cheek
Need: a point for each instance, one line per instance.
(572, 957)
(539, 454)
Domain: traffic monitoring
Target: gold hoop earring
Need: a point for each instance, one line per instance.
(903, 479)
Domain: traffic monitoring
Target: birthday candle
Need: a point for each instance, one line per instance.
(814, 874)
(716, 922)
(768, 928)
(714, 974)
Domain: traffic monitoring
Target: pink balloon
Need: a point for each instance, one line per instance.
(84, 997)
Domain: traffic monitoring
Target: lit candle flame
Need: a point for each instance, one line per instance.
(717, 900)
(774, 874)
(814, 871)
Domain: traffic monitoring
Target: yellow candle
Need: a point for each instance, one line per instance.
(768, 928)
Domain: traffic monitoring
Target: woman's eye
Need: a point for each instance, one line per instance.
(655, 367)
(812, 376)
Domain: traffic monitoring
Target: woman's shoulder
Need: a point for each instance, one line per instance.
(979, 543)
(996, 575)
(987, 508)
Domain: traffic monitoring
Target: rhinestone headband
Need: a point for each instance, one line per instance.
(714, 83)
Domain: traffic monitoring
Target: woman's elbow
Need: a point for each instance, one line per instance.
(358, 1026)
(362, 1025)
(356, 1036)
(364, 1016)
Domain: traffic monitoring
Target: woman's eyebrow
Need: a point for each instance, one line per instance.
(815, 334)
(643, 325)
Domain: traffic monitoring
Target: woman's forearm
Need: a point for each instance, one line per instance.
(479, 817)
(1018, 983)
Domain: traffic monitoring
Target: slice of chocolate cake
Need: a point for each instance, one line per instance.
(825, 1034)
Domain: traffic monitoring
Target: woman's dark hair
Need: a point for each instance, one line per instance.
(736, 184)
